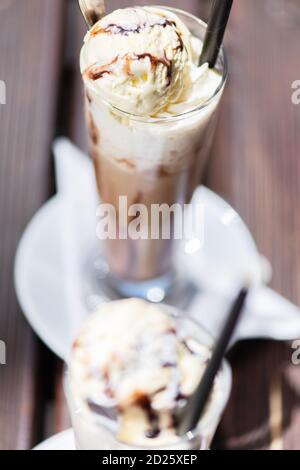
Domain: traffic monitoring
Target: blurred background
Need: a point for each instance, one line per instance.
(255, 166)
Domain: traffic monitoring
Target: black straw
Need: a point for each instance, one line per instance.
(215, 31)
(193, 410)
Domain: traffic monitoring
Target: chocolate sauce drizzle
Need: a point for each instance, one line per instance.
(169, 365)
(144, 402)
(186, 345)
(155, 61)
(96, 72)
(114, 28)
(95, 75)
(180, 46)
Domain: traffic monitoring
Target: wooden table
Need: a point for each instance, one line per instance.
(255, 166)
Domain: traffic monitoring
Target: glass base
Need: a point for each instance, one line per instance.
(175, 288)
(154, 290)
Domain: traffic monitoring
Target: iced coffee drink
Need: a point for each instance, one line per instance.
(131, 368)
(151, 115)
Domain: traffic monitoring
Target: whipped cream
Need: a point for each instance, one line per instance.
(144, 61)
(131, 365)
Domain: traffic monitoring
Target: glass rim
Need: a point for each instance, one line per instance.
(185, 114)
(212, 416)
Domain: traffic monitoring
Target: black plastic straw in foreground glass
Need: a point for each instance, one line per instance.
(215, 31)
(193, 410)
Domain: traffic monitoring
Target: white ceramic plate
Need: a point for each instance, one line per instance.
(63, 441)
(50, 280)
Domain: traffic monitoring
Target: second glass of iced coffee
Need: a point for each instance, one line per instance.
(151, 113)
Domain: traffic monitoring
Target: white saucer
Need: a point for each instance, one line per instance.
(49, 277)
(62, 441)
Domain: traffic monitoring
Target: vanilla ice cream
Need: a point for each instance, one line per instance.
(132, 366)
(143, 60)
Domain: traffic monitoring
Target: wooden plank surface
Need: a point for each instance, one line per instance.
(255, 166)
(30, 44)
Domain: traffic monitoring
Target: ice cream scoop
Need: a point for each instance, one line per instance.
(131, 364)
(136, 58)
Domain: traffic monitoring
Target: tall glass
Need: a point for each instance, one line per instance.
(149, 161)
(93, 432)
